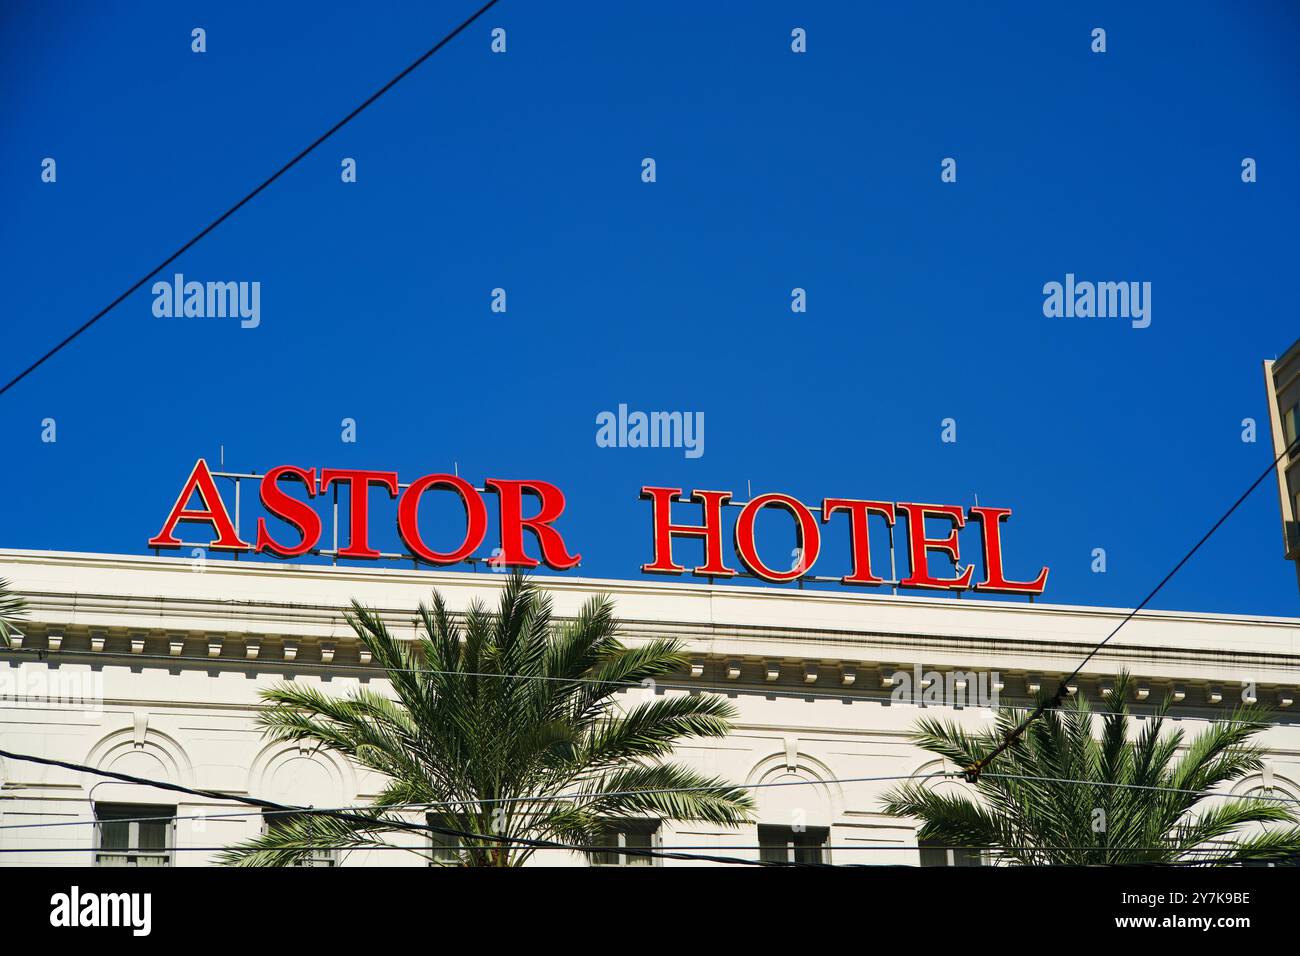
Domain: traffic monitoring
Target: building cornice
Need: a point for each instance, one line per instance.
(266, 616)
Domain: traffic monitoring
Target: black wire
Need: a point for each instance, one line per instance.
(370, 822)
(235, 208)
(973, 771)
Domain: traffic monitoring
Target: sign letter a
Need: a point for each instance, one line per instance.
(212, 511)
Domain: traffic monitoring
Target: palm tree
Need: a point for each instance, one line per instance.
(12, 608)
(1060, 795)
(505, 725)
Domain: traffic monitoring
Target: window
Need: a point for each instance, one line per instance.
(1291, 424)
(316, 857)
(788, 845)
(618, 835)
(444, 847)
(133, 834)
(1291, 860)
(936, 853)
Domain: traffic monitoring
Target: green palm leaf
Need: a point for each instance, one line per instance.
(12, 609)
(503, 723)
(1068, 792)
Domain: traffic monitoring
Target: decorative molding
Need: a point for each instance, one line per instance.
(742, 620)
(262, 770)
(113, 745)
(823, 796)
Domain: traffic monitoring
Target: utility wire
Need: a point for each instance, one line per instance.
(1141, 786)
(974, 770)
(1210, 846)
(557, 798)
(365, 822)
(495, 801)
(368, 822)
(237, 206)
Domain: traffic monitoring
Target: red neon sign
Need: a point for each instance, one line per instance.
(286, 492)
(280, 504)
(807, 533)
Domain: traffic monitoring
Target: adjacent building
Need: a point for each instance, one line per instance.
(1282, 380)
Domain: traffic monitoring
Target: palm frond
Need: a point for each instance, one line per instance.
(1064, 793)
(290, 840)
(505, 722)
(12, 609)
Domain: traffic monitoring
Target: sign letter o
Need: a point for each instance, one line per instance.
(408, 510)
(806, 530)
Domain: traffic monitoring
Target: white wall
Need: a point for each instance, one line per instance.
(179, 703)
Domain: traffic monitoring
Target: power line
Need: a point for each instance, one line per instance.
(235, 208)
(496, 801)
(364, 822)
(561, 797)
(369, 822)
(1210, 846)
(1141, 786)
(975, 769)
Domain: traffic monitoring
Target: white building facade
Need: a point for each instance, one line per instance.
(153, 667)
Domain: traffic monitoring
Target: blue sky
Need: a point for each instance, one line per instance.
(774, 171)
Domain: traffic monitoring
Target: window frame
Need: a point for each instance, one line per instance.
(444, 849)
(621, 828)
(133, 815)
(792, 847)
(977, 857)
(316, 858)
